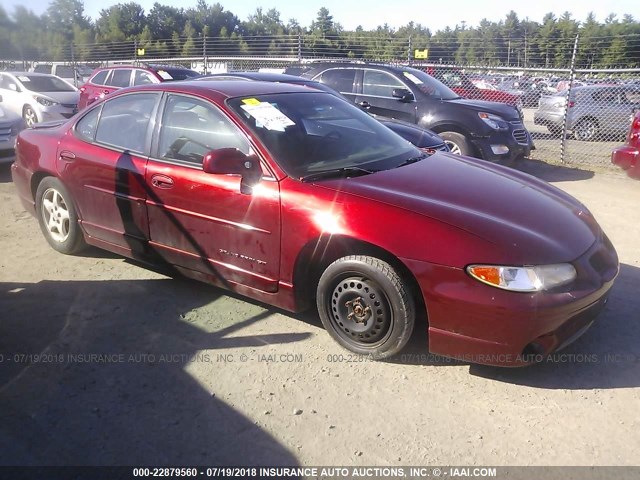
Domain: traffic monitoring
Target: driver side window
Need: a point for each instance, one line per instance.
(191, 128)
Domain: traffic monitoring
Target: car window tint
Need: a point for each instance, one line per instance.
(124, 121)
(191, 128)
(100, 77)
(380, 84)
(42, 69)
(143, 78)
(120, 78)
(340, 79)
(86, 126)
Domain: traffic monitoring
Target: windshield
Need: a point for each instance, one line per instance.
(315, 132)
(37, 83)
(429, 85)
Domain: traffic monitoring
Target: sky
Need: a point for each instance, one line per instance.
(431, 14)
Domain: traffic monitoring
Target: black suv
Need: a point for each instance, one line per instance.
(489, 130)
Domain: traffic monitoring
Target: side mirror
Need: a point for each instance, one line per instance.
(402, 94)
(231, 161)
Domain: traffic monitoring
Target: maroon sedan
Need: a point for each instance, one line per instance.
(293, 197)
(627, 156)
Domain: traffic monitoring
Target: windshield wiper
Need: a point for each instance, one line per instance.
(411, 160)
(337, 172)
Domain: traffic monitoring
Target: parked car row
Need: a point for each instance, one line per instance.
(294, 197)
(488, 130)
(593, 112)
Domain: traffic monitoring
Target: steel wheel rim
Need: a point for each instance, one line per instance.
(55, 215)
(453, 147)
(360, 311)
(30, 117)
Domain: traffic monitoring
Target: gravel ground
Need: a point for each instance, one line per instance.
(103, 362)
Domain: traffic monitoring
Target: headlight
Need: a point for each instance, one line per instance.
(494, 121)
(524, 279)
(45, 101)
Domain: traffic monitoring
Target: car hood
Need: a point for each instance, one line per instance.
(62, 97)
(507, 112)
(528, 220)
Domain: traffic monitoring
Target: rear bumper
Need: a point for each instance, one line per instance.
(477, 323)
(22, 181)
(627, 158)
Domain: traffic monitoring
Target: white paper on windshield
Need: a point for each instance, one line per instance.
(413, 78)
(24, 79)
(164, 75)
(268, 115)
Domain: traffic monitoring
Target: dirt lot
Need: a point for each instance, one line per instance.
(105, 363)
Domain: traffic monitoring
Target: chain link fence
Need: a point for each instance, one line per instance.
(576, 114)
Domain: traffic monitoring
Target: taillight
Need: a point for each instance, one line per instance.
(82, 89)
(571, 103)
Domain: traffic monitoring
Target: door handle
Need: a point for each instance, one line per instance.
(67, 156)
(364, 104)
(161, 181)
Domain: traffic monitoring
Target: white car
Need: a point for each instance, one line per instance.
(10, 126)
(38, 97)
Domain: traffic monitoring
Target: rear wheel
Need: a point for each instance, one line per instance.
(586, 130)
(365, 306)
(57, 217)
(457, 143)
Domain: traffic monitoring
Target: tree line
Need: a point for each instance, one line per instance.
(64, 32)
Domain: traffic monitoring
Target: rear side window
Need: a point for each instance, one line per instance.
(100, 77)
(124, 121)
(380, 84)
(120, 78)
(340, 79)
(42, 69)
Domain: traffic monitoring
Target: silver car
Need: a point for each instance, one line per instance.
(593, 112)
(10, 126)
(38, 97)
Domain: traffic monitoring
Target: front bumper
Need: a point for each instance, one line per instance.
(627, 158)
(510, 144)
(477, 323)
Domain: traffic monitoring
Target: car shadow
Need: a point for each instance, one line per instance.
(552, 173)
(96, 373)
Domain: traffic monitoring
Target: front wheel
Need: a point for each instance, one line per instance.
(365, 306)
(29, 116)
(57, 217)
(457, 143)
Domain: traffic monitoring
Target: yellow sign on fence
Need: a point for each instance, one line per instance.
(141, 52)
(424, 54)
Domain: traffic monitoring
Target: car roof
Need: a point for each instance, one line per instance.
(30, 74)
(224, 88)
(261, 76)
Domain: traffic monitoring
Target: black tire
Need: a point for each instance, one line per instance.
(457, 143)
(29, 116)
(586, 130)
(57, 217)
(365, 306)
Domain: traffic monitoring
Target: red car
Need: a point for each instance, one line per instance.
(292, 196)
(458, 81)
(105, 81)
(628, 156)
